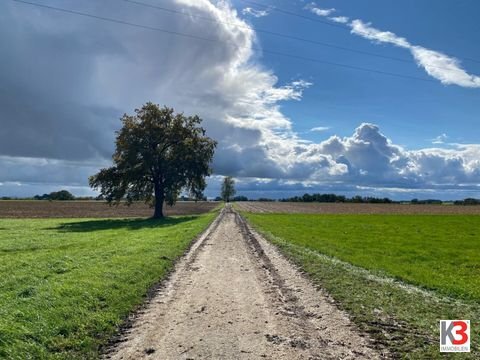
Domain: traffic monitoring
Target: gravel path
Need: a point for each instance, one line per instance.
(233, 296)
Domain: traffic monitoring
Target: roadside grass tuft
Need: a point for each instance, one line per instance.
(370, 265)
(67, 284)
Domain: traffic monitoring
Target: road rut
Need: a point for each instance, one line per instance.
(233, 296)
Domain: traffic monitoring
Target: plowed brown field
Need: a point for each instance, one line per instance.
(93, 209)
(342, 208)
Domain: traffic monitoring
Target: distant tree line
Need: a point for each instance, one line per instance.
(468, 201)
(333, 198)
(323, 198)
(235, 198)
(426, 202)
(66, 195)
(56, 195)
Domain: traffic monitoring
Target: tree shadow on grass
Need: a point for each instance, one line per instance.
(130, 224)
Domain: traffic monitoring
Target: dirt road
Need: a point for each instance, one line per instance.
(233, 296)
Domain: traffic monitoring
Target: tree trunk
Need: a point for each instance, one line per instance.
(159, 199)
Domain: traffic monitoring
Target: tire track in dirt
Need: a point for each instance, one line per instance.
(233, 296)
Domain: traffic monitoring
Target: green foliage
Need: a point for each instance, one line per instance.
(426, 202)
(158, 154)
(228, 188)
(439, 253)
(468, 201)
(67, 285)
(240, 198)
(62, 195)
(333, 198)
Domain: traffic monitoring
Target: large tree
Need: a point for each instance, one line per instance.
(228, 188)
(158, 154)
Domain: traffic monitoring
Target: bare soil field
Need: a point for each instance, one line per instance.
(343, 208)
(93, 209)
(234, 296)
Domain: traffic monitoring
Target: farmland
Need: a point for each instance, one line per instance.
(393, 270)
(94, 209)
(396, 274)
(68, 284)
(351, 208)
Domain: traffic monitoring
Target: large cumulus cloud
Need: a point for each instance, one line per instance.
(65, 80)
(373, 159)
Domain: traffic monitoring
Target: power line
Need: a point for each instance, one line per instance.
(291, 13)
(470, 59)
(170, 32)
(286, 36)
(269, 32)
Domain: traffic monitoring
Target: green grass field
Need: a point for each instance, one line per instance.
(66, 285)
(365, 261)
(441, 253)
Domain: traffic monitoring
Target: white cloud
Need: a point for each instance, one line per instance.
(320, 128)
(438, 65)
(444, 68)
(319, 11)
(367, 31)
(254, 12)
(440, 139)
(340, 19)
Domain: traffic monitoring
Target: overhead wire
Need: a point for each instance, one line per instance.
(291, 13)
(314, 19)
(277, 34)
(265, 31)
(192, 36)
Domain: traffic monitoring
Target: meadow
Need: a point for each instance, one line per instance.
(396, 275)
(68, 284)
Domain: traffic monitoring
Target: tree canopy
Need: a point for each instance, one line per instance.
(56, 195)
(228, 188)
(159, 154)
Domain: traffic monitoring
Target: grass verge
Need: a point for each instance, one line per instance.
(67, 285)
(347, 255)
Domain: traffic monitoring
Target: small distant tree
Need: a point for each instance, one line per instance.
(228, 188)
(61, 195)
(158, 154)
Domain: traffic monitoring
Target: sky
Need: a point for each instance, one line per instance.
(376, 98)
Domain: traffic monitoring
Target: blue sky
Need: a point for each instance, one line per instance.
(66, 78)
(413, 112)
